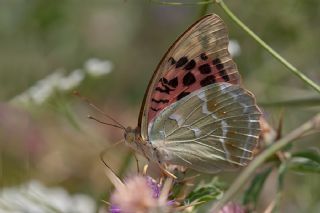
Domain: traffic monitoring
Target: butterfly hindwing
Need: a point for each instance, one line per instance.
(198, 58)
(216, 127)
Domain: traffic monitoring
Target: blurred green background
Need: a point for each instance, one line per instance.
(52, 140)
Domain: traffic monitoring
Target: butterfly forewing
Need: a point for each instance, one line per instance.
(195, 113)
(214, 128)
(198, 58)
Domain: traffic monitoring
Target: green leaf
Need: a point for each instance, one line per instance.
(307, 161)
(208, 192)
(306, 166)
(311, 154)
(281, 172)
(251, 195)
(283, 168)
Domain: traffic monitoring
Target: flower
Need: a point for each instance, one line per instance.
(138, 194)
(35, 197)
(234, 48)
(232, 208)
(154, 186)
(96, 67)
(73, 80)
(43, 89)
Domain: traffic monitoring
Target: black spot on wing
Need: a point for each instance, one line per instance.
(182, 61)
(208, 80)
(165, 90)
(216, 61)
(203, 56)
(190, 65)
(171, 61)
(219, 66)
(224, 75)
(163, 81)
(188, 79)
(182, 94)
(153, 109)
(173, 82)
(160, 101)
(204, 69)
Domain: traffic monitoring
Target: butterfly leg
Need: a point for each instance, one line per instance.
(137, 162)
(145, 169)
(161, 166)
(166, 172)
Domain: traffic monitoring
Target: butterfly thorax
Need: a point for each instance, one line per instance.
(134, 140)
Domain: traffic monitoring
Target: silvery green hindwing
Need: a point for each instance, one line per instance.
(195, 111)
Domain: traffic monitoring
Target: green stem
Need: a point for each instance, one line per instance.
(260, 159)
(306, 102)
(171, 3)
(293, 69)
(203, 10)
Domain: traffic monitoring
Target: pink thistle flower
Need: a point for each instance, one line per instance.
(232, 208)
(139, 194)
(135, 196)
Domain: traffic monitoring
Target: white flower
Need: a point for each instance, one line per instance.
(96, 67)
(36, 198)
(71, 81)
(234, 48)
(44, 88)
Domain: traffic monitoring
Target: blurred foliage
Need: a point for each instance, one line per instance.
(252, 194)
(55, 143)
(205, 192)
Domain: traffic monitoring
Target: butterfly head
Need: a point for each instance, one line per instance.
(133, 135)
(130, 135)
(133, 139)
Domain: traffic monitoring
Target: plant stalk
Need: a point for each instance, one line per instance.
(276, 55)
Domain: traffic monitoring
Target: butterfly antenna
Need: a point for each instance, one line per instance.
(105, 123)
(76, 93)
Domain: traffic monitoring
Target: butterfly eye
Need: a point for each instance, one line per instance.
(129, 135)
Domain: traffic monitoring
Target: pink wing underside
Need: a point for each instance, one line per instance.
(185, 76)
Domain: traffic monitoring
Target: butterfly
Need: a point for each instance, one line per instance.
(195, 112)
